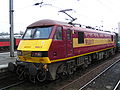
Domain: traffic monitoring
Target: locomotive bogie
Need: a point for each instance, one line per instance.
(30, 70)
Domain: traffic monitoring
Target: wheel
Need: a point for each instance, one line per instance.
(41, 76)
(20, 72)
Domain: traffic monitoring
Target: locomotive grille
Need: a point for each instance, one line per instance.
(27, 53)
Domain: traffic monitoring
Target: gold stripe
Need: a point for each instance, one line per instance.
(91, 42)
(79, 55)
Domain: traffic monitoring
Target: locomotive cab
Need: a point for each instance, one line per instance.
(35, 45)
(46, 41)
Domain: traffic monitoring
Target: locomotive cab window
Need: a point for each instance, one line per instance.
(80, 37)
(29, 34)
(58, 34)
(38, 33)
(112, 37)
(69, 34)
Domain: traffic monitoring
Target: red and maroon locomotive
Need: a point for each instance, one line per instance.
(51, 48)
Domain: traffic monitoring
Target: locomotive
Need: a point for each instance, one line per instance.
(50, 49)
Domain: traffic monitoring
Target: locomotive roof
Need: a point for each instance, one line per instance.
(46, 22)
(92, 31)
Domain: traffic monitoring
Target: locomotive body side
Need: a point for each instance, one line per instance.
(93, 41)
(78, 41)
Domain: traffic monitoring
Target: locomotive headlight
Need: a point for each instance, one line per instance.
(36, 54)
(39, 54)
(19, 53)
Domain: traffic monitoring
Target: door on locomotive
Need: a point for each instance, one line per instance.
(69, 43)
(58, 46)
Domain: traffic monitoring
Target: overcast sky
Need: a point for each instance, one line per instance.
(87, 12)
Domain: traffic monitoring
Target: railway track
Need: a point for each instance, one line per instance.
(100, 75)
(11, 85)
(8, 79)
(77, 81)
(117, 86)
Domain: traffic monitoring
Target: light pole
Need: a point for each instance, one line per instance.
(102, 24)
(11, 28)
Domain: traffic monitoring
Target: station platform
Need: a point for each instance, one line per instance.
(5, 59)
(109, 80)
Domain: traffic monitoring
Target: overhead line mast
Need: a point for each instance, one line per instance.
(11, 28)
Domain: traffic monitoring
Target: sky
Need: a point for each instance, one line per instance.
(88, 12)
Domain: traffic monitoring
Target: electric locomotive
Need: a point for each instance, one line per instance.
(50, 49)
